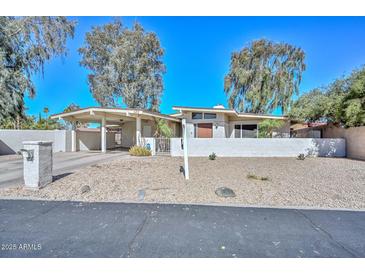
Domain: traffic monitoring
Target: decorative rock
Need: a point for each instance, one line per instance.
(225, 192)
(85, 189)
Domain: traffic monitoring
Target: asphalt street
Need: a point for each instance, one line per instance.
(73, 229)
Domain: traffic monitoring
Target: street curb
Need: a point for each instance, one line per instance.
(187, 204)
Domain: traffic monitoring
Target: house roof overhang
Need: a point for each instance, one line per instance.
(229, 112)
(115, 115)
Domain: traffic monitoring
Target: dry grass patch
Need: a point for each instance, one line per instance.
(256, 177)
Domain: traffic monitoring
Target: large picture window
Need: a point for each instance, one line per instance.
(245, 131)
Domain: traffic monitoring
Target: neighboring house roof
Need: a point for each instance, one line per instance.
(92, 113)
(231, 112)
(301, 126)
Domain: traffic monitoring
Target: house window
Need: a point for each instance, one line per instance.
(197, 115)
(210, 116)
(245, 131)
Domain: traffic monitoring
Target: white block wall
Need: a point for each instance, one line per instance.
(261, 147)
(11, 141)
(91, 140)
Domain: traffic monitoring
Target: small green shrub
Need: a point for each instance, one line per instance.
(212, 156)
(256, 177)
(301, 156)
(139, 151)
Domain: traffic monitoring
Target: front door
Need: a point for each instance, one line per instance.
(205, 130)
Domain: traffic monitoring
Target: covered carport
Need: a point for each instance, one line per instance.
(141, 123)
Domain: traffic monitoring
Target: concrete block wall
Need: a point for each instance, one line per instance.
(355, 139)
(91, 140)
(11, 141)
(262, 147)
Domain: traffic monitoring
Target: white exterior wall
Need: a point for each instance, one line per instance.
(129, 134)
(91, 140)
(262, 147)
(219, 129)
(11, 141)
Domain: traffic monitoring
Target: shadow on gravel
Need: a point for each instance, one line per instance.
(60, 176)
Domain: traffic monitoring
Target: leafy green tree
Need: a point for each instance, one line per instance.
(310, 107)
(268, 126)
(29, 122)
(125, 64)
(46, 111)
(70, 125)
(353, 106)
(26, 43)
(263, 76)
(342, 102)
(71, 107)
(163, 129)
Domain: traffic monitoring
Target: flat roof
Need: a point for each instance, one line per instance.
(129, 112)
(228, 111)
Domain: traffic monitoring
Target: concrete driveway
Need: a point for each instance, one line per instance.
(72, 229)
(64, 163)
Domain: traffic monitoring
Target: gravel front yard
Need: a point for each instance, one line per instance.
(314, 182)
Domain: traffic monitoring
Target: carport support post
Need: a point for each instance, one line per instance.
(138, 130)
(73, 137)
(103, 135)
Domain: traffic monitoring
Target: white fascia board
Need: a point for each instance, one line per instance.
(261, 116)
(96, 112)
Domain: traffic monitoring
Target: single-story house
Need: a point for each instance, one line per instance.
(219, 122)
(129, 125)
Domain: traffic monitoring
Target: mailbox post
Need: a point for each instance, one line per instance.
(37, 158)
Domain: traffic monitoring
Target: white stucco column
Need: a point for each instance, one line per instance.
(103, 135)
(73, 138)
(138, 130)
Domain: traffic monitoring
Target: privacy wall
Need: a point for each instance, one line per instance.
(355, 139)
(261, 147)
(11, 141)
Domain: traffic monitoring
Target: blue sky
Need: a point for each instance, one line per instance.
(197, 56)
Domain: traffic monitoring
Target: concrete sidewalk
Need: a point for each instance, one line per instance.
(64, 163)
(71, 229)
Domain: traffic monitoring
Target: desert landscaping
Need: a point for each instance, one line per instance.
(313, 182)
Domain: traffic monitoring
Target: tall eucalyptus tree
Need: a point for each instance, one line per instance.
(26, 43)
(263, 76)
(125, 65)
